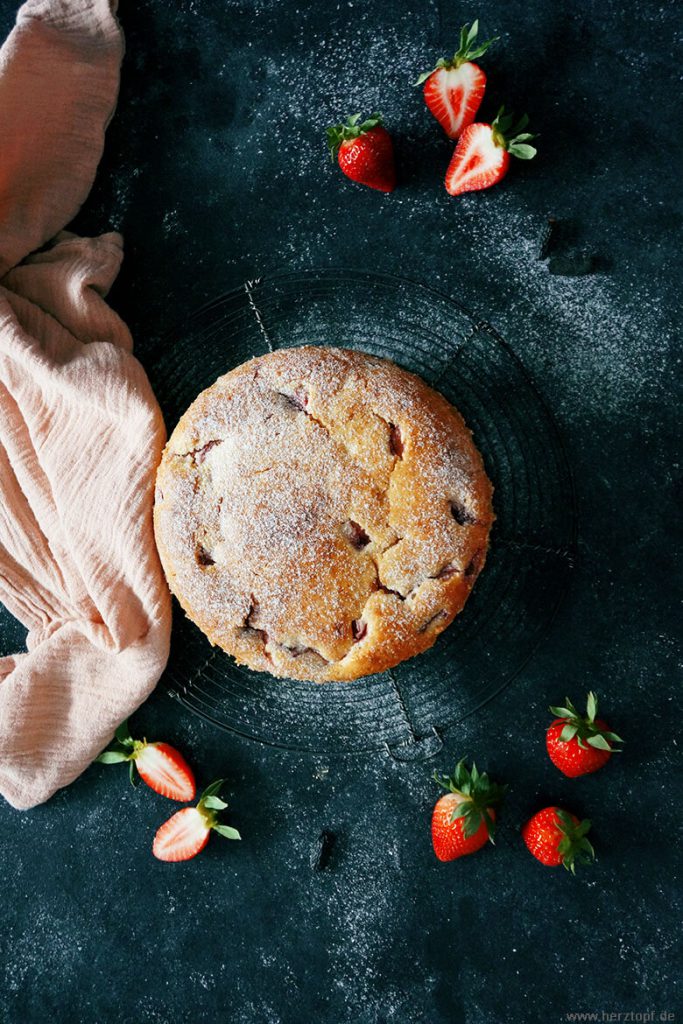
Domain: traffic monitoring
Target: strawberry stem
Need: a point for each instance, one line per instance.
(468, 49)
(573, 847)
(479, 795)
(584, 727)
(349, 129)
(209, 806)
(512, 137)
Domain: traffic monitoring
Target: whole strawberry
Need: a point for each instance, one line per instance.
(465, 818)
(482, 156)
(160, 765)
(556, 837)
(364, 151)
(580, 744)
(454, 89)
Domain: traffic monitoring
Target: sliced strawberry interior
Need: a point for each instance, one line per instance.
(479, 162)
(182, 836)
(164, 770)
(454, 96)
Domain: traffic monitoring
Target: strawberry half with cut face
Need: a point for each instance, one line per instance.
(465, 818)
(187, 832)
(160, 765)
(454, 89)
(556, 837)
(364, 151)
(578, 744)
(482, 156)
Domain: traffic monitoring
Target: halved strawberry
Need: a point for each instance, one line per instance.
(482, 156)
(187, 832)
(160, 765)
(454, 89)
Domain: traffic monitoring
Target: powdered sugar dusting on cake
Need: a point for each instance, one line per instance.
(271, 478)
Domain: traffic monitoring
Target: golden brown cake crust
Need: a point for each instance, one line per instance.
(321, 514)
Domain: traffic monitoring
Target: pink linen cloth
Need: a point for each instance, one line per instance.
(80, 429)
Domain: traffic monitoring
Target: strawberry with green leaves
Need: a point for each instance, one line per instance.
(160, 765)
(364, 151)
(555, 837)
(464, 819)
(454, 89)
(580, 744)
(187, 832)
(482, 155)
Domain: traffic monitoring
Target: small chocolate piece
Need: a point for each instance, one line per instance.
(322, 850)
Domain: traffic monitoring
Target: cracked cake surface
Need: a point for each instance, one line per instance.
(321, 514)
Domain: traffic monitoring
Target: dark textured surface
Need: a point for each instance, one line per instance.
(215, 171)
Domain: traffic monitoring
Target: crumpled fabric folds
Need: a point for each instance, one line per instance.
(81, 432)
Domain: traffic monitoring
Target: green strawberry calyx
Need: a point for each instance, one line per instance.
(210, 804)
(125, 748)
(468, 49)
(352, 128)
(584, 727)
(512, 137)
(479, 794)
(573, 846)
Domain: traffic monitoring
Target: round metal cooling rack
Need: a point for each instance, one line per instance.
(527, 571)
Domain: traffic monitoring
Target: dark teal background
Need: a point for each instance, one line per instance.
(215, 171)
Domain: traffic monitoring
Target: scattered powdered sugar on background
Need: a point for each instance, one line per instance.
(217, 151)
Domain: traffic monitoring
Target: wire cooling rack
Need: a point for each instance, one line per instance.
(403, 711)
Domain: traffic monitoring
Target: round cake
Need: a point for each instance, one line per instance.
(321, 514)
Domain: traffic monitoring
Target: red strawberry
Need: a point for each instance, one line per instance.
(464, 819)
(555, 837)
(482, 156)
(454, 89)
(185, 834)
(161, 766)
(364, 152)
(579, 745)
